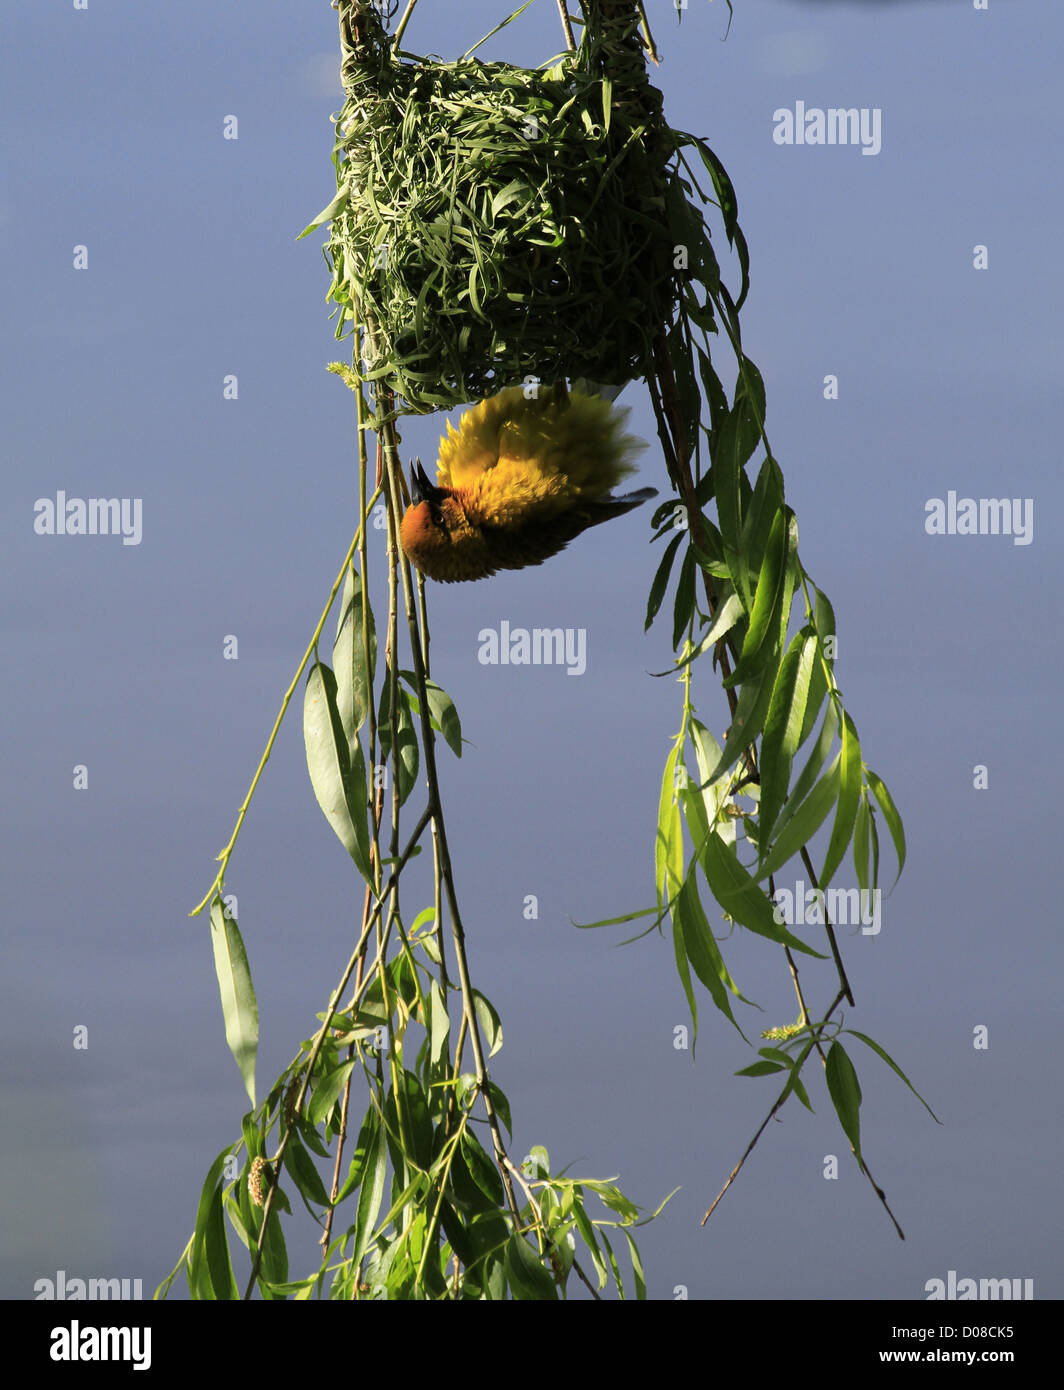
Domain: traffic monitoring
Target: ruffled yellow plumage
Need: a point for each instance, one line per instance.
(517, 479)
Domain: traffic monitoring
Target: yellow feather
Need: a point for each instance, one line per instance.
(518, 457)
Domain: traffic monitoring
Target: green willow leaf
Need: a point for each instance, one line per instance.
(749, 721)
(660, 581)
(638, 1272)
(481, 1169)
(274, 1269)
(684, 601)
(861, 835)
(527, 1277)
(707, 755)
(327, 1091)
(825, 620)
(868, 1042)
(694, 813)
(849, 799)
(728, 616)
(441, 711)
(890, 815)
(328, 213)
(490, 1024)
(793, 1081)
(439, 1024)
(354, 673)
(731, 447)
(845, 1093)
(371, 1143)
(405, 765)
(339, 781)
(702, 950)
(766, 502)
(761, 1069)
(209, 1267)
(806, 820)
(772, 597)
(357, 1168)
(587, 1233)
(783, 727)
(809, 773)
(729, 207)
(741, 898)
(304, 1174)
(818, 688)
(683, 969)
(668, 843)
(240, 1008)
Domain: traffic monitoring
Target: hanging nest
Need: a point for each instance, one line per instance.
(495, 222)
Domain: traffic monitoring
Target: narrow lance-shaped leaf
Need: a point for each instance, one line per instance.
(439, 1027)
(668, 843)
(339, 781)
(774, 588)
(371, 1144)
(660, 581)
(818, 688)
(749, 720)
(869, 1042)
(637, 1267)
(354, 673)
(702, 950)
(406, 763)
(683, 969)
(210, 1272)
(741, 897)
(861, 837)
(441, 711)
(849, 798)
(304, 1174)
(783, 727)
(327, 1091)
(890, 814)
(807, 777)
(490, 1023)
(527, 1277)
(765, 503)
(845, 1093)
(728, 459)
(684, 602)
(728, 615)
(327, 213)
(804, 823)
(239, 1006)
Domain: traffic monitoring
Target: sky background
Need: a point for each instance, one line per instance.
(949, 378)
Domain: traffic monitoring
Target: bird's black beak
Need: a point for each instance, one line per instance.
(421, 490)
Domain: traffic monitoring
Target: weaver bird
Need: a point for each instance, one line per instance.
(517, 481)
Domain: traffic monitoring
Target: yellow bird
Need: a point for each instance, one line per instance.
(518, 479)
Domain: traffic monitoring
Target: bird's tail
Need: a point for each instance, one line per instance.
(603, 508)
(628, 500)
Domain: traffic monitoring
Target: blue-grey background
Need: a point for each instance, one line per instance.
(112, 378)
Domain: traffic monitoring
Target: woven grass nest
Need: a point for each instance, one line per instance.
(495, 222)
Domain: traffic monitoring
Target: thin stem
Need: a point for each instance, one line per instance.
(400, 28)
(567, 27)
(224, 856)
(435, 805)
(319, 1040)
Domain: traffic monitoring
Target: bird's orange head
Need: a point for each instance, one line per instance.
(437, 535)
